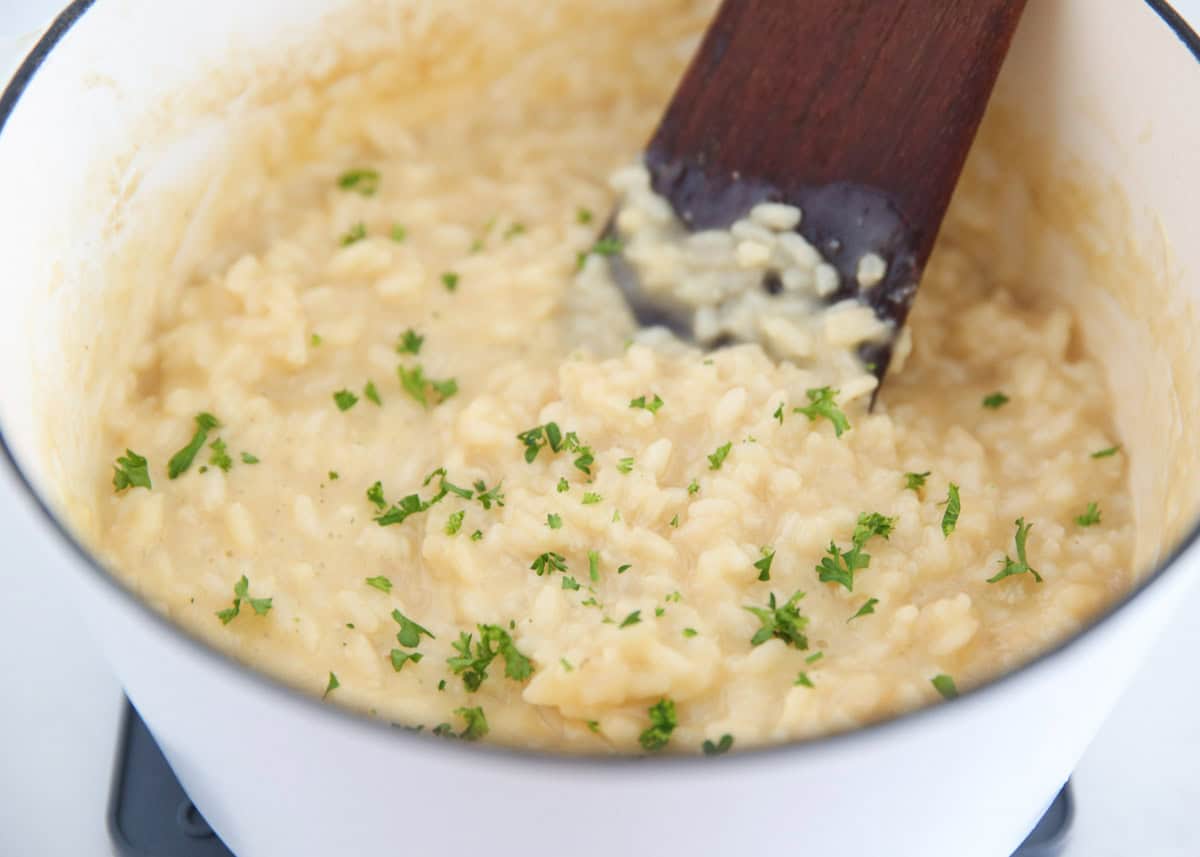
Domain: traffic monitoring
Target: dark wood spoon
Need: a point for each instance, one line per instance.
(860, 112)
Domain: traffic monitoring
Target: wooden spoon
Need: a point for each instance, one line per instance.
(860, 112)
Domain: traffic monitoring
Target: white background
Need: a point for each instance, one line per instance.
(1138, 788)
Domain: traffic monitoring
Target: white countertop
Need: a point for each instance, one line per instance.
(1137, 789)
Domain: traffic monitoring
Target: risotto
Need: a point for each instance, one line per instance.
(386, 447)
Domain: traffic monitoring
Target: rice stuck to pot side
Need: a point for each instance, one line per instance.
(408, 478)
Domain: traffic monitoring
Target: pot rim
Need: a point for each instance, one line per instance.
(10, 98)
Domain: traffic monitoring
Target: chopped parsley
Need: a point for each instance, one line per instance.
(652, 406)
(814, 657)
(472, 664)
(410, 342)
(1009, 568)
(371, 393)
(241, 592)
(722, 746)
(1091, 517)
(838, 566)
(779, 413)
(410, 632)
(693, 487)
(719, 455)
(944, 685)
(953, 508)
(1107, 453)
(476, 723)
(591, 498)
(488, 496)
(345, 400)
(823, 403)
(866, 610)
(594, 566)
(802, 680)
(363, 181)
(566, 665)
(764, 564)
(131, 471)
(400, 658)
(315, 340)
(356, 233)
(399, 233)
(450, 281)
(674, 522)
(995, 401)
(625, 465)
(915, 481)
(553, 521)
(688, 633)
(633, 618)
(594, 726)
(570, 583)
(477, 536)
(550, 435)
(183, 459)
(220, 455)
(603, 247)
(662, 724)
(454, 522)
(621, 569)
(332, 685)
(381, 583)
(583, 216)
(513, 231)
(427, 391)
(548, 563)
(375, 495)
(783, 622)
(248, 458)
(563, 485)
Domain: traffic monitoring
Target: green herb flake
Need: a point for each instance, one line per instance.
(603, 247)
(553, 521)
(724, 745)
(410, 342)
(354, 234)
(995, 401)
(591, 498)
(513, 231)
(489, 497)
(345, 400)
(248, 458)
(674, 522)
(477, 536)
(241, 592)
(764, 565)
(548, 563)
(371, 393)
(953, 508)
(633, 618)
(400, 657)
(594, 726)
(410, 632)
(1091, 517)
(454, 522)
(621, 569)
(381, 583)
(398, 234)
(662, 724)
(693, 488)
(426, 391)
(594, 566)
(567, 665)
(563, 486)
(332, 685)
(944, 685)
(823, 403)
(1107, 453)
(476, 723)
(783, 622)
(866, 610)
(688, 633)
(131, 471)
(583, 216)
(472, 662)
(779, 413)
(915, 481)
(450, 281)
(839, 566)
(183, 459)
(375, 495)
(625, 465)
(220, 455)
(1009, 568)
(361, 181)
(652, 406)
(814, 657)
(802, 680)
(315, 340)
(718, 457)
(570, 583)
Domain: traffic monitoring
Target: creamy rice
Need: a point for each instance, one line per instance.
(490, 183)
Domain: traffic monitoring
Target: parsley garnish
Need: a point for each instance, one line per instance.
(1090, 517)
(621, 569)
(1010, 568)
(594, 566)
(839, 566)
(487, 496)
(427, 391)
(944, 685)
(814, 657)
(410, 342)
(220, 455)
(399, 233)
(553, 521)
(662, 724)
(779, 413)
(823, 403)
(693, 487)
(131, 470)
(690, 632)
(454, 522)
(183, 459)
(513, 231)
(450, 281)
(591, 498)
(332, 685)
(550, 435)
(364, 181)
(722, 746)
(603, 247)
(718, 457)
(375, 495)
(371, 393)
(381, 583)
(345, 400)
(569, 582)
(995, 401)
(410, 632)
(248, 458)
(652, 406)
(583, 216)
(493, 641)
(953, 508)
(241, 592)
(400, 658)
(915, 481)
(802, 680)
(356, 233)
(315, 340)
(563, 485)
(764, 564)
(866, 610)
(548, 563)
(477, 725)
(633, 618)
(477, 536)
(625, 465)
(1107, 453)
(784, 622)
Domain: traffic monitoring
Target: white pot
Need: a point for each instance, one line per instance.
(1114, 83)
